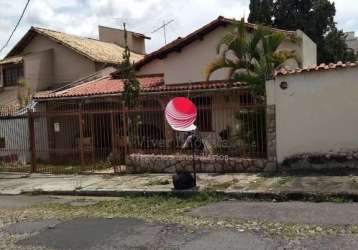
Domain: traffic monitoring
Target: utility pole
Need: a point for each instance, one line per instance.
(164, 28)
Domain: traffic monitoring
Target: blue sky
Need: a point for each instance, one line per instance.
(81, 17)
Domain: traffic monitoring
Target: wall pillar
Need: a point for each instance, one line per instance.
(271, 138)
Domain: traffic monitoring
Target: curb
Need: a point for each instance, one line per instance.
(262, 196)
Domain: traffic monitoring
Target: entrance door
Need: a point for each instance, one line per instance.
(102, 136)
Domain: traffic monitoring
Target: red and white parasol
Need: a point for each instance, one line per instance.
(181, 114)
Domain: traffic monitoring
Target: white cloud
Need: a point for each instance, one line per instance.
(82, 17)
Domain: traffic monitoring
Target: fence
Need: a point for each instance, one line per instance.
(98, 134)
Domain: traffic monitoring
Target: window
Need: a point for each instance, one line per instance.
(12, 74)
(2, 142)
(204, 107)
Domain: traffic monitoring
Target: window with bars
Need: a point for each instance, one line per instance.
(12, 75)
(205, 115)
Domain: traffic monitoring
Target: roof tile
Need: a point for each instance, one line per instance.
(148, 83)
(321, 67)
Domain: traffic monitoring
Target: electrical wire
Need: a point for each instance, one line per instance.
(16, 26)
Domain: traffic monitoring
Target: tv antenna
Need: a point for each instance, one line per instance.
(164, 28)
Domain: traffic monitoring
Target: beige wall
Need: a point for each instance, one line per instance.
(189, 65)
(38, 69)
(67, 64)
(317, 113)
(112, 35)
(308, 49)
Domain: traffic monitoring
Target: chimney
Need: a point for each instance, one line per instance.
(136, 41)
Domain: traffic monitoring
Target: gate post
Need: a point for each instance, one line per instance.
(32, 141)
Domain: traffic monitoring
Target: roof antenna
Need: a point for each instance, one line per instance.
(164, 28)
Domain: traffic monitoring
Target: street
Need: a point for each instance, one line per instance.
(66, 222)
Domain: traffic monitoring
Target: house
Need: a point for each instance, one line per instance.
(314, 110)
(352, 41)
(231, 121)
(48, 59)
(185, 59)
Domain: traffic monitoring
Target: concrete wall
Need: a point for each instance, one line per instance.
(317, 113)
(189, 64)
(308, 49)
(112, 35)
(67, 64)
(38, 69)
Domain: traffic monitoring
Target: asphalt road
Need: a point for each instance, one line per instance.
(124, 233)
(325, 213)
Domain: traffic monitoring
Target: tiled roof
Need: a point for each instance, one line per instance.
(148, 83)
(321, 67)
(104, 86)
(180, 43)
(193, 86)
(93, 49)
(14, 59)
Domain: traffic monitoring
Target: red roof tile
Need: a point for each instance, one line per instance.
(321, 67)
(103, 86)
(193, 86)
(148, 83)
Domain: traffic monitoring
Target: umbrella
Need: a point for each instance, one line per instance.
(180, 114)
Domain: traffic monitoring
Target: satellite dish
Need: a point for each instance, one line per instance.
(180, 114)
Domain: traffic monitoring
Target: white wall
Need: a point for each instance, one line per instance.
(317, 113)
(189, 64)
(308, 49)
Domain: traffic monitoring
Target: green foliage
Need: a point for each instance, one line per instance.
(127, 73)
(248, 133)
(250, 57)
(314, 17)
(24, 93)
(261, 11)
(336, 48)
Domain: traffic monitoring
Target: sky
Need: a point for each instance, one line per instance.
(82, 17)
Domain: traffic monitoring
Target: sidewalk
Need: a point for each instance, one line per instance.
(250, 185)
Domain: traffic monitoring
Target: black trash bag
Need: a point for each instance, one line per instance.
(183, 180)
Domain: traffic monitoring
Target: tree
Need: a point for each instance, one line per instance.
(250, 58)
(24, 93)
(314, 17)
(336, 48)
(127, 73)
(261, 12)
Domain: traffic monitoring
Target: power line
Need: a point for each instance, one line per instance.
(17, 25)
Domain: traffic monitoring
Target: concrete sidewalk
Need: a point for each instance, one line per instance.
(251, 185)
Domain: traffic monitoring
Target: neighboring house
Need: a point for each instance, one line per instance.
(174, 70)
(352, 41)
(316, 113)
(47, 59)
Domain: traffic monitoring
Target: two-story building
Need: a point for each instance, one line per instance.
(47, 59)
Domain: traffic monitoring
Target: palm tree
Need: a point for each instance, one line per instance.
(250, 57)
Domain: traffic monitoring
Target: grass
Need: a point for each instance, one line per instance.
(170, 209)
